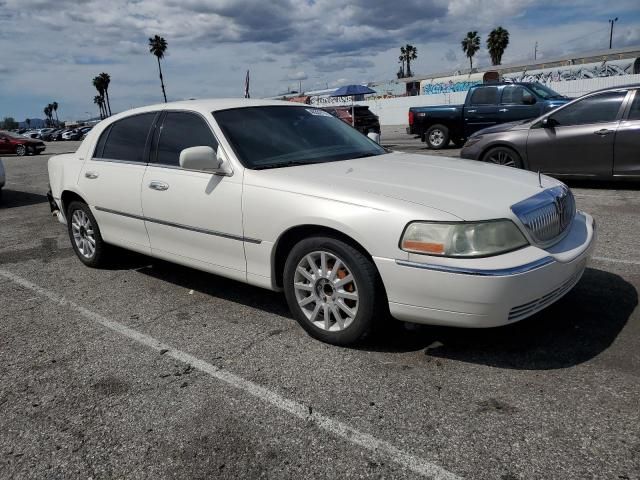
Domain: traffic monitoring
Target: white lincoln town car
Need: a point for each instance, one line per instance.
(287, 197)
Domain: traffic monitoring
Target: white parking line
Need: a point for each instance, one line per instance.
(333, 426)
(616, 260)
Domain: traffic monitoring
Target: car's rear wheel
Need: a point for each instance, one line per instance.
(503, 156)
(21, 150)
(85, 235)
(437, 137)
(332, 290)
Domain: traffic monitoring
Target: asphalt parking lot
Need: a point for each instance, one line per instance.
(151, 370)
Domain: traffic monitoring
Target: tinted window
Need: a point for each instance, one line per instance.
(485, 96)
(125, 139)
(516, 95)
(596, 109)
(634, 112)
(280, 136)
(182, 130)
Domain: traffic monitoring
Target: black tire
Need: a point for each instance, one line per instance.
(100, 255)
(371, 298)
(503, 156)
(437, 137)
(21, 150)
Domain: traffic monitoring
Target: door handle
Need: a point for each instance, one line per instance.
(603, 132)
(156, 185)
(91, 175)
(503, 110)
(471, 111)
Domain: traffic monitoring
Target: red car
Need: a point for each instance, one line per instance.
(14, 143)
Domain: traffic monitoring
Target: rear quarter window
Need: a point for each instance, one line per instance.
(126, 139)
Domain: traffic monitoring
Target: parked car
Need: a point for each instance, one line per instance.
(597, 135)
(365, 120)
(74, 134)
(31, 134)
(52, 135)
(287, 197)
(484, 106)
(14, 143)
(3, 178)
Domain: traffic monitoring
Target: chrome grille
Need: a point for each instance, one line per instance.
(547, 214)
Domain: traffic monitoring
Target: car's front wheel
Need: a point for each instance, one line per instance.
(85, 235)
(503, 156)
(332, 290)
(21, 150)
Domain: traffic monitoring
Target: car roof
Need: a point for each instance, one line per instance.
(209, 105)
(631, 86)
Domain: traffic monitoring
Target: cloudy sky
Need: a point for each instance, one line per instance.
(51, 49)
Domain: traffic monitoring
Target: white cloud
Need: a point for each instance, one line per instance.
(52, 48)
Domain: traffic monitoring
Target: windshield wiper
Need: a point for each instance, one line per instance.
(364, 155)
(290, 163)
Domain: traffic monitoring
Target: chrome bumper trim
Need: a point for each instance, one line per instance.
(499, 272)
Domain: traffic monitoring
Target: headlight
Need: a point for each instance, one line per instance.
(472, 141)
(479, 239)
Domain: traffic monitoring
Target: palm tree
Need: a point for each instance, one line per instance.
(157, 46)
(98, 100)
(470, 45)
(497, 42)
(401, 61)
(98, 82)
(106, 80)
(50, 107)
(408, 53)
(47, 113)
(55, 109)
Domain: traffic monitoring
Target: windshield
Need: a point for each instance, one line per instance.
(544, 92)
(280, 136)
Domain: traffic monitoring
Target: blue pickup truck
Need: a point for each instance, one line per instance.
(485, 105)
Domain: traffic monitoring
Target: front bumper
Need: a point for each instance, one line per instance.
(487, 292)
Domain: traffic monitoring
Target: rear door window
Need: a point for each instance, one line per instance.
(126, 139)
(182, 130)
(485, 96)
(634, 111)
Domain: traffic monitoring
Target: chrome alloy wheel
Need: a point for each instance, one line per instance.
(21, 150)
(436, 137)
(326, 291)
(83, 234)
(501, 157)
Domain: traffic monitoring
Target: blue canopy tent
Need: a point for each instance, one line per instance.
(352, 91)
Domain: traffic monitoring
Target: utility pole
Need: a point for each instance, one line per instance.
(535, 51)
(611, 22)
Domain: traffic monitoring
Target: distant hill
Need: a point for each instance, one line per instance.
(35, 123)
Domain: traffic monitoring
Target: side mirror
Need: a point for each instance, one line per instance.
(529, 100)
(199, 158)
(374, 136)
(548, 122)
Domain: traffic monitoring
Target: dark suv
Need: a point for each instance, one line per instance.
(365, 120)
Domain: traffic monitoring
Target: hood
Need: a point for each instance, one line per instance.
(504, 127)
(466, 189)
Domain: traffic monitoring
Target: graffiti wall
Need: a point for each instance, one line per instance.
(574, 72)
(462, 83)
(458, 83)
